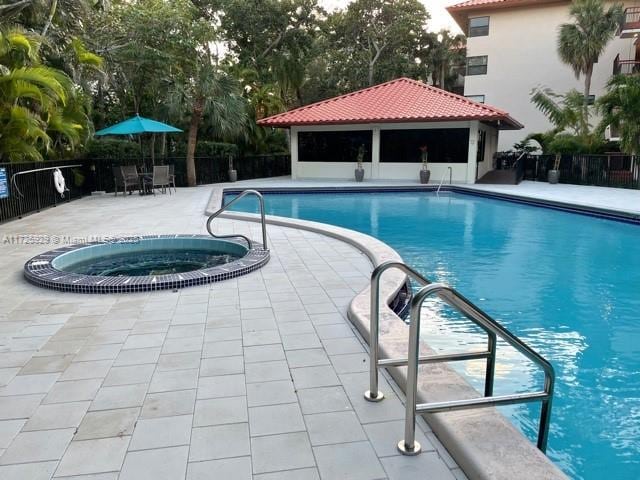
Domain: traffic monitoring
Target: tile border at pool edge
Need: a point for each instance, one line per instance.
(619, 215)
(477, 439)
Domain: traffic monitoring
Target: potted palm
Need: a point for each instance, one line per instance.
(359, 168)
(233, 174)
(425, 173)
(553, 175)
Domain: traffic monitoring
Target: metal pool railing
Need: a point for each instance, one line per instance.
(408, 445)
(226, 207)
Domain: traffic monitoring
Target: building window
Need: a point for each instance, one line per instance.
(445, 145)
(334, 146)
(476, 98)
(477, 65)
(478, 27)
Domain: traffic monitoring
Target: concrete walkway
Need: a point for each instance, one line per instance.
(260, 377)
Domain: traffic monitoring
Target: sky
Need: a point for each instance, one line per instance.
(439, 16)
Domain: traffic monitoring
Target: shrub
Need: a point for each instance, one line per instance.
(112, 148)
(207, 149)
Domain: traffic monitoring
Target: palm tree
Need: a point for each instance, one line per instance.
(39, 108)
(443, 53)
(214, 97)
(581, 43)
(565, 112)
(620, 108)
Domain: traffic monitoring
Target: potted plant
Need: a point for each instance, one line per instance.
(425, 173)
(554, 174)
(359, 167)
(233, 174)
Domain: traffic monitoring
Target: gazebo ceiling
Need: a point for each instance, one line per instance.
(399, 101)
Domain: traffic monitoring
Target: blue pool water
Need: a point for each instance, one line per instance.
(567, 284)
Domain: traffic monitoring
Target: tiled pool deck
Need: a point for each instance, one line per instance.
(257, 377)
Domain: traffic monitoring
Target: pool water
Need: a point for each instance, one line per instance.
(567, 284)
(152, 262)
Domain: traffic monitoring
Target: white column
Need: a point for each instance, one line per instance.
(293, 147)
(375, 152)
(472, 159)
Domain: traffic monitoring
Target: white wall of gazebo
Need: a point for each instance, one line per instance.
(463, 172)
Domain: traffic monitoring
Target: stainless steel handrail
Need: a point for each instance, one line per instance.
(442, 180)
(408, 445)
(36, 170)
(374, 394)
(262, 219)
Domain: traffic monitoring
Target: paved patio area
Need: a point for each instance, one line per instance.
(259, 377)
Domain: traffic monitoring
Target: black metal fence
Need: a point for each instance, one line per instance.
(32, 192)
(621, 171)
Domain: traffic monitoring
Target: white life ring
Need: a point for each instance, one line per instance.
(58, 181)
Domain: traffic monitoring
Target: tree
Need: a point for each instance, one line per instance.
(581, 43)
(41, 111)
(620, 108)
(571, 132)
(378, 39)
(259, 32)
(210, 95)
(441, 54)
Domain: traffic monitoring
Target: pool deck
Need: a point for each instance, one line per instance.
(259, 377)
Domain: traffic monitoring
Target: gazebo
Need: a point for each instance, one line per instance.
(394, 121)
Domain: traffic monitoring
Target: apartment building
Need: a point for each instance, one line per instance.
(512, 49)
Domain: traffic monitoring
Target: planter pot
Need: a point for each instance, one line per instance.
(233, 175)
(425, 175)
(553, 176)
(359, 174)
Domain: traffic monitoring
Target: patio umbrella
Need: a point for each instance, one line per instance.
(136, 125)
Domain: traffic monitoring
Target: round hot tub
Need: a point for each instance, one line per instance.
(143, 263)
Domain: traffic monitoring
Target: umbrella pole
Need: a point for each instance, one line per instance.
(153, 149)
(144, 167)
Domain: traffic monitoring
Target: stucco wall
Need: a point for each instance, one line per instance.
(461, 172)
(522, 54)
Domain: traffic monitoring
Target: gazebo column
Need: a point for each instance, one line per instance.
(375, 152)
(472, 159)
(293, 148)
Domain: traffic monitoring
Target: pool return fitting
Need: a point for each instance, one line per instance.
(408, 445)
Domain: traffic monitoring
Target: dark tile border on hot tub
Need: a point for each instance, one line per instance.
(40, 271)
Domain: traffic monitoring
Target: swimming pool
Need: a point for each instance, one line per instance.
(567, 284)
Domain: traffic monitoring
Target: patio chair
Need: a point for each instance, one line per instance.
(160, 178)
(172, 177)
(124, 178)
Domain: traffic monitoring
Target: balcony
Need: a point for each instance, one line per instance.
(625, 67)
(630, 26)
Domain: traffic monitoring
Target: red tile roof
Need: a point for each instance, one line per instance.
(397, 101)
(494, 3)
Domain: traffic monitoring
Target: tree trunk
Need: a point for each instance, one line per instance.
(52, 13)
(152, 147)
(587, 91)
(196, 116)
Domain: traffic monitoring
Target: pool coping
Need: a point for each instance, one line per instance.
(40, 271)
(483, 442)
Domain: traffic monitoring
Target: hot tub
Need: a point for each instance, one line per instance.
(143, 263)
